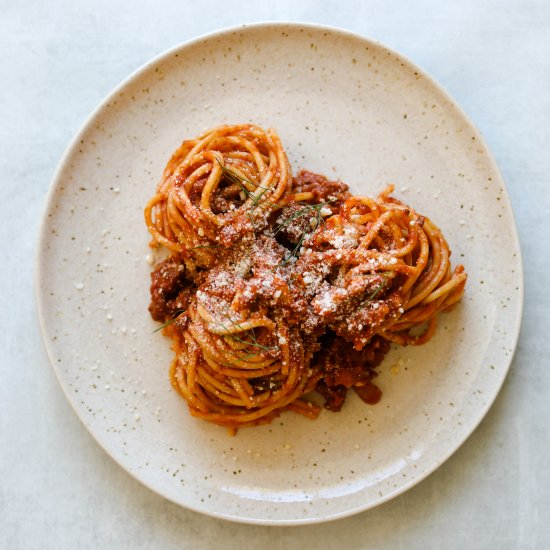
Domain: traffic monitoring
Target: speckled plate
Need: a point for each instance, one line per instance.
(346, 107)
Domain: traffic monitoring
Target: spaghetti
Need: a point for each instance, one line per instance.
(214, 189)
(278, 286)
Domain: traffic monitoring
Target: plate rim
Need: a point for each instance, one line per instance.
(53, 188)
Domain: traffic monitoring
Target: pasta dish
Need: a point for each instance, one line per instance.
(274, 286)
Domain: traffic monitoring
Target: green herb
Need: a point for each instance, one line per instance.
(254, 341)
(302, 212)
(170, 321)
(307, 210)
(240, 181)
(295, 252)
(379, 288)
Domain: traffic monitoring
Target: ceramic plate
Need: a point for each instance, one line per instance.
(346, 107)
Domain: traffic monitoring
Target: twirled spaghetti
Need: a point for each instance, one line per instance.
(197, 205)
(277, 286)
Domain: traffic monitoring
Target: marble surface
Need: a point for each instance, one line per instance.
(59, 489)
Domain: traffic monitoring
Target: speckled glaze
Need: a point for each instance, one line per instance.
(343, 106)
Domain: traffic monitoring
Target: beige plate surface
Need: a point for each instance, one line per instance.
(343, 106)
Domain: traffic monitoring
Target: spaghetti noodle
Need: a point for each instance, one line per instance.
(277, 286)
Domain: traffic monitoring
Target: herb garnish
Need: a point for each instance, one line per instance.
(233, 177)
(379, 288)
(177, 314)
(254, 341)
(312, 210)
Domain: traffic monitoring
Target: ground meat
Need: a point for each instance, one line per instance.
(295, 222)
(170, 290)
(370, 393)
(343, 367)
(323, 189)
(226, 198)
(334, 396)
(360, 324)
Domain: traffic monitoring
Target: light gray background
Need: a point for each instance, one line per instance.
(58, 60)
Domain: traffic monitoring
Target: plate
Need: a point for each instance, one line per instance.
(346, 107)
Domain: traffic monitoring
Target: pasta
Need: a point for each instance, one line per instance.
(275, 287)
